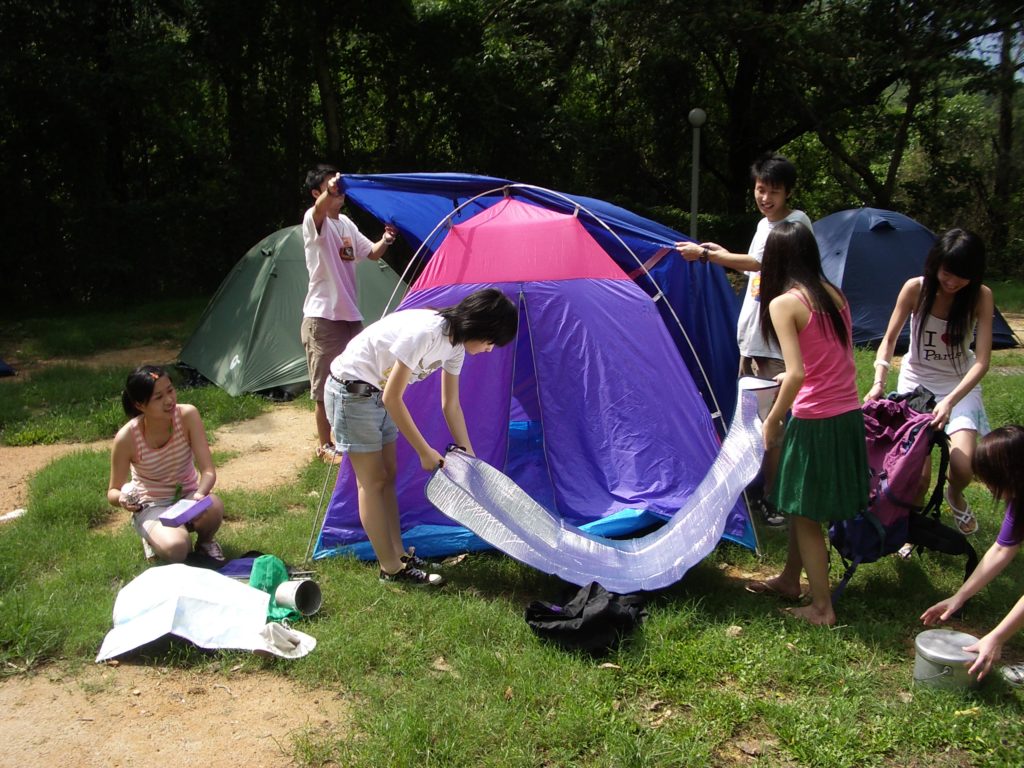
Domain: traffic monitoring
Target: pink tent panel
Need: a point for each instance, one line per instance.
(517, 242)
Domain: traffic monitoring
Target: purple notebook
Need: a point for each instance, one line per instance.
(183, 511)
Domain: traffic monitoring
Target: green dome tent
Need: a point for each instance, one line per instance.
(248, 338)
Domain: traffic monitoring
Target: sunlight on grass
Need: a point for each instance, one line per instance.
(455, 677)
(1008, 294)
(74, 403)
(168, 321)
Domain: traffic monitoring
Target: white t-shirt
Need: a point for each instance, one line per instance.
(414, 337)
(331, 256)
(748, 327)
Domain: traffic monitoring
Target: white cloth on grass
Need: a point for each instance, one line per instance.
(201, 606)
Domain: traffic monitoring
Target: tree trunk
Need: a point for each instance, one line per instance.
(1003, 177)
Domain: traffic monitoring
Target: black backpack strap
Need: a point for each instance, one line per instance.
(934, 503)
(841, 586)
(972, 561)
(851, 566)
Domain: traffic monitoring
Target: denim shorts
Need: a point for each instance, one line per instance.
(361, 423)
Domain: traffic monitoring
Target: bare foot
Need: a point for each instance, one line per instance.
(774, 587)
(814, 615)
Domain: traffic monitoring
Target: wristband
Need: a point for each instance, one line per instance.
(704, 255)
(883, 363)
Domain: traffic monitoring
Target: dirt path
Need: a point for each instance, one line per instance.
(271, 447)
(144, 716)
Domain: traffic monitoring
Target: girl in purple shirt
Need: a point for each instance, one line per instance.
(997, 463)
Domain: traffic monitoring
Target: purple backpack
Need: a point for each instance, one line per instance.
(899, 444)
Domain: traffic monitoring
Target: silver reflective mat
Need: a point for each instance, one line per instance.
(481, 498)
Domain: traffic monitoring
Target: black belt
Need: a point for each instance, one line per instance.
(356, 387)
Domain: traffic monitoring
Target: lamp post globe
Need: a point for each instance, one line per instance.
(697, 117)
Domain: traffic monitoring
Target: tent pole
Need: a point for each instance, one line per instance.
(316, 517)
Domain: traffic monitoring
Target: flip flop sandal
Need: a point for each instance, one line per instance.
(965, 519)
(1013, 674)
(758, 587)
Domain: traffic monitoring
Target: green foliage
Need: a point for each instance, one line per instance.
(75, 333)
(202, 117)
(75, 403)
(1008, 295)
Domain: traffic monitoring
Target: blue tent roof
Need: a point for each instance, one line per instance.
(870, 253)
(700, 295)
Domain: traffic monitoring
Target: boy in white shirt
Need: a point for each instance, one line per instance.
(774, 178)
(330, 313)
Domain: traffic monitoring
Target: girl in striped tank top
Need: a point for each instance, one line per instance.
(823, 466)
(159, 449)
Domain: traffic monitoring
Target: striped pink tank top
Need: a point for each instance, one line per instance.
(161, 473)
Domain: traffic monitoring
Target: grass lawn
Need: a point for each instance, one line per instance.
(716, 676)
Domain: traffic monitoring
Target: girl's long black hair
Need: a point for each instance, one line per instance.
(997, 463)
(485, 315)
(962, 253)
(139, 387)
(791, 259)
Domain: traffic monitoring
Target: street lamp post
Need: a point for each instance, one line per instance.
(697, 118)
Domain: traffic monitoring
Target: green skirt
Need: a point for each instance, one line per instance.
(823, 469)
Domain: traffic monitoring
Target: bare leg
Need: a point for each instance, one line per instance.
(787, 583)
(172, 545)
(811, 542)
(323, 426)
(376, 507)
(389, 454)
(208, 523)
(961, 454)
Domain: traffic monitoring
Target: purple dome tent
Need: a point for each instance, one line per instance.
(590, 410)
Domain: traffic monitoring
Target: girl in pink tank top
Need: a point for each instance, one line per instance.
(823, 467)
(164, 451)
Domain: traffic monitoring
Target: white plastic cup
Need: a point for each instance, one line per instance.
(303, 595)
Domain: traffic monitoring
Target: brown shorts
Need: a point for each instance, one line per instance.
(323, 341)
(761, 367)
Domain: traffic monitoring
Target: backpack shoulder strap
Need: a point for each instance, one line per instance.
(851, 567)
(941, 439)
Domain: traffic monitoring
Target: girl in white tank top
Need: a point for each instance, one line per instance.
(948, 308)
